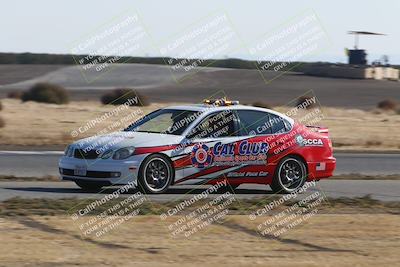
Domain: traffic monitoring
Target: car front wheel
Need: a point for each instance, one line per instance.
(290, 175)
(155, 174)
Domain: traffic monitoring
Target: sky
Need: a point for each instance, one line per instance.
(48, 26)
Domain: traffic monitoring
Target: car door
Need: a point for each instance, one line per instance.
(212, 146)
(262, 131)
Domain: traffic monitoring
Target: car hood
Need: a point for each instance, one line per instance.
(124, 139)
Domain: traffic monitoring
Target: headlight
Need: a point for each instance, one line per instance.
(123, 153)
(107, 154)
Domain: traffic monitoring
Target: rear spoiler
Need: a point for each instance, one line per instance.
(319, 129)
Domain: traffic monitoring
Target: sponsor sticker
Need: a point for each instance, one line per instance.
(201, 156)
(301, 141)
(247, 174)
(243, 152)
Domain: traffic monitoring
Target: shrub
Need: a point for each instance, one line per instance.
(388, 104)
(373, 143)
(306, 102)
(46, 93)
(2, 122)
(122, 96)
(261, 104)
(15, 95)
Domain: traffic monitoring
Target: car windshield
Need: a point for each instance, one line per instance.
(165, 121)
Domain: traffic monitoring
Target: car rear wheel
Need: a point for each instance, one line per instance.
(290, 175)
(155, 174)
(89, 185)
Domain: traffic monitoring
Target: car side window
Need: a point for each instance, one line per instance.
(253, 122)
(220, 124)
(278, 124)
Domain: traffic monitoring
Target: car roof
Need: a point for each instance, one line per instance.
(211, 108)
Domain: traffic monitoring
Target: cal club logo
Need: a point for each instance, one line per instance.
(201, 156)
(243, 152)
(301, 141)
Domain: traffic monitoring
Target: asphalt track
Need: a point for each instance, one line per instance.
(42, 163)
(384, 190)
(32, 163)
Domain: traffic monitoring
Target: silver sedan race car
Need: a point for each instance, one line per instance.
(206, 143)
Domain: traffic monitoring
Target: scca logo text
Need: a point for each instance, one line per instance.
(313, 142)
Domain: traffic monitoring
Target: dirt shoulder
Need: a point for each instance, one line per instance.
(43, 206)
(146, 241)
(53, 126)
(342, 232)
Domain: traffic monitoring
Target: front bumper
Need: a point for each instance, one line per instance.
(106, 171)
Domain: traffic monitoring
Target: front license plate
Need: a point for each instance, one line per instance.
(80, 170)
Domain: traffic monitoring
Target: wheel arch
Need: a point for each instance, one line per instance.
(295, 155)
(276, 185)
(164, 156)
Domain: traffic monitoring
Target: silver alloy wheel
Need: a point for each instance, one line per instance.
(291, 174)
(157, 174)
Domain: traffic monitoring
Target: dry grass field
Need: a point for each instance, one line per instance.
(47, 124)
(145, 241)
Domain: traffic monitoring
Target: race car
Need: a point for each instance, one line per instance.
(203, 144)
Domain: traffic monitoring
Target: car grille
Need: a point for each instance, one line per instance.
(82, 154)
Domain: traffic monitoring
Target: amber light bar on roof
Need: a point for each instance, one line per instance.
(220, 102)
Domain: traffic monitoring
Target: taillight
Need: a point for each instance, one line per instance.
(330, 143)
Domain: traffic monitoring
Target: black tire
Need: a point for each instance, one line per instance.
(290, 175)
(89, 186)
(155, 174)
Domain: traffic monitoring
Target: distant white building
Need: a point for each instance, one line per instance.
(354, 72)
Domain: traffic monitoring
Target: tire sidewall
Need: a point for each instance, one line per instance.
(277, 185)
(142, 185)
